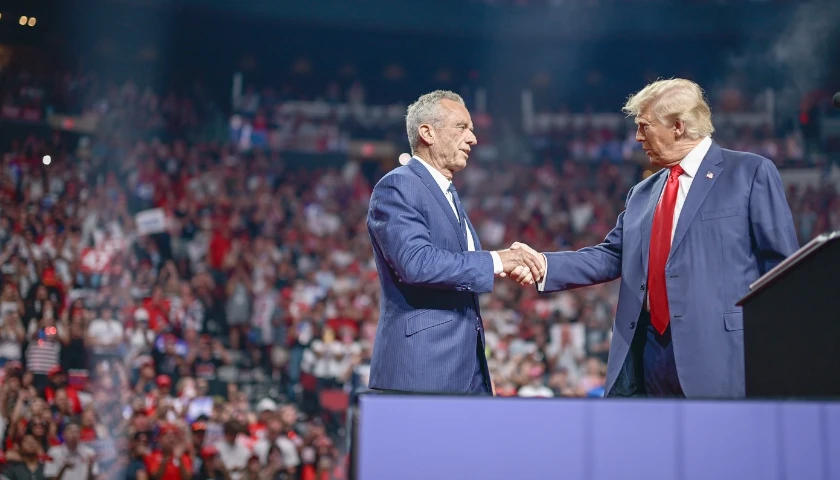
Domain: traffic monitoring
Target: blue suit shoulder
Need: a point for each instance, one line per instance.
(400, 173)
(747, 160)
(393, 182)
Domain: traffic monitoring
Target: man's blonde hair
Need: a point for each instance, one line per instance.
(675, 99)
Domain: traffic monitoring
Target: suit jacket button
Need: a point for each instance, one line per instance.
(643, 287)
(632, 325)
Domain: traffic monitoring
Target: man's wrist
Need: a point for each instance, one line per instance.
(541, 283)
(498, 267)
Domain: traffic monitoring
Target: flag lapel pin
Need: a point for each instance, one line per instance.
(710, 175)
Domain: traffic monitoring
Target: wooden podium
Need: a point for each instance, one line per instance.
(792, 325)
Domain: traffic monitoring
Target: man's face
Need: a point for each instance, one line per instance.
(275, 428)
(656, 138)
(168, 440)
(453, 137)
(61, 398)
(288, 415)
(28, 446)
(71, 435)
(37, 407)
(58, 379)
(201, 387)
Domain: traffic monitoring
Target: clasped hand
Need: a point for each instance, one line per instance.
(523, 264)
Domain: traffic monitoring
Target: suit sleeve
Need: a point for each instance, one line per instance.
(587, 266)
(402, 234)
(771, 223)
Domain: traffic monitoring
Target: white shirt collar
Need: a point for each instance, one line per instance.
(691, 163)
(442, 181)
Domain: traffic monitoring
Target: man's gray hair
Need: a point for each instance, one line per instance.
(426, 110)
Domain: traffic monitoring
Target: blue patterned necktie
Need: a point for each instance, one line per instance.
(461, 216)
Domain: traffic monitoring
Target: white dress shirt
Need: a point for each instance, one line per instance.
(690, 164)
(444, 184)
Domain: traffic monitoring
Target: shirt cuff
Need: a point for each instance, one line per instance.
(497, 263)
(541, 285)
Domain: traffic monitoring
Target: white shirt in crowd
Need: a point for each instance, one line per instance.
(533, 391)
(288, 450)
(105, 332)
(60, 454)
(329, 360)
(234, 457)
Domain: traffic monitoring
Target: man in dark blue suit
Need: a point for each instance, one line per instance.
(691, 240)
(430, 336)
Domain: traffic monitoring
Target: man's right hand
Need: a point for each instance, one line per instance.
(520, 272)
(521, 259)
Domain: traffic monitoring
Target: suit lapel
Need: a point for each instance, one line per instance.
(700, 187)
(647, 219)
(438, 195)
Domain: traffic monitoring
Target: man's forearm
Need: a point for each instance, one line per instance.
(435, 268)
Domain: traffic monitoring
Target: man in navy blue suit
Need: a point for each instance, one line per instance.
(430, 336)
(691, 240)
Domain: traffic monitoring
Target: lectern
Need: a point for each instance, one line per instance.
(792, 325)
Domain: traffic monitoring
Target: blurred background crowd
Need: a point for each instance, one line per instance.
(188, 288)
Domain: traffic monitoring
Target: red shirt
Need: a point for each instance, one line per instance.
(72, 395)
(256, 431)
(218, 249)
(172, 472)
(87, 434)
(158, 313)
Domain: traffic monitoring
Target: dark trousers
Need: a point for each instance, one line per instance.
(649, 369)
(480, 384)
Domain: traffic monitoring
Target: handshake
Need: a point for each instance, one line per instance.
(523, 264)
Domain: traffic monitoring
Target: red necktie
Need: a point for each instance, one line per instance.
(660, 247)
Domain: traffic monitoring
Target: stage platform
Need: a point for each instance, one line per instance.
(464, 438)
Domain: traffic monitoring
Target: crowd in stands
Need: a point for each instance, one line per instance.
(220, 332)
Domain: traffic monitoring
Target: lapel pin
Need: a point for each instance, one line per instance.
(710, 175)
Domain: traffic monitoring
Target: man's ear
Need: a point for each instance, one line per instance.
(679, 129)
(427, 133)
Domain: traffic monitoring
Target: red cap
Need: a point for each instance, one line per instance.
(209, 451)
(164, 381)
(199, 427)
(54, 370)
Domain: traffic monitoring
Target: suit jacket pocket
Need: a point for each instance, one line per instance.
(733, 321)
(726, 212)
(424, 319)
